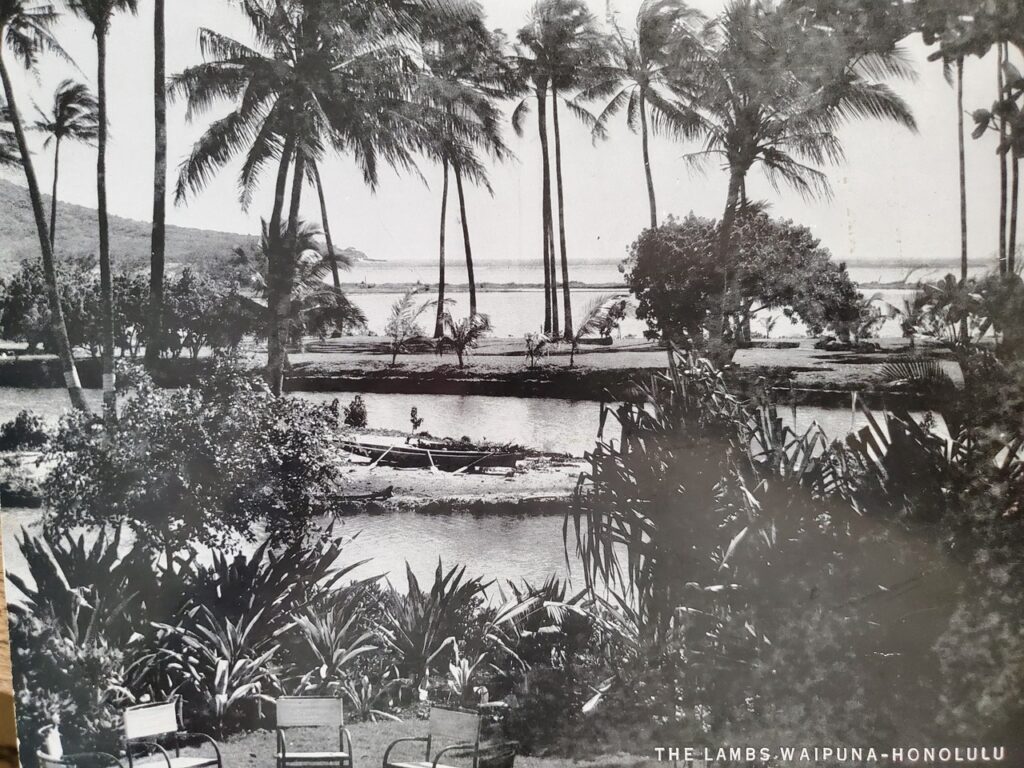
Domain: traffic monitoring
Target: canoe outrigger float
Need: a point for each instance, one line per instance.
(421, 457)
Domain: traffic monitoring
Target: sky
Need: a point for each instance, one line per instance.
(895, 197)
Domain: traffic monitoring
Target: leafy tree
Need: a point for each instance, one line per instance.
(215, 464)
(100, 14)
(675, 274)
(25, 30)
(463, 335)
(73, 117)
(639, 77)
(24, 310)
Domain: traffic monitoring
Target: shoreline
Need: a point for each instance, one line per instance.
(792, 369)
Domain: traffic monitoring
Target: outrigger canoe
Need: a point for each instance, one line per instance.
(444, 459)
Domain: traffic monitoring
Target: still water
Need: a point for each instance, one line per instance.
(516, 313)
(544, 423)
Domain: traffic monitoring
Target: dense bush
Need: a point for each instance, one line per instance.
(211, 463)
(25, 432)
(676, 275)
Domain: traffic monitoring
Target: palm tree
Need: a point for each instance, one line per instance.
(563, 40)
(771, 90)
(465, 56)
(463, 335)
(316, 307)
(100, 13)
(638, 78)
(73, 116)
(154, 330)
(25, 30)
(599, 316)
(316, 79)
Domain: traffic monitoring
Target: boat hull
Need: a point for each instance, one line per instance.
(412, 457)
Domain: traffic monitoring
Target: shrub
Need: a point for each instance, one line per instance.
(355, 413)
(25, 432)
(214, 463)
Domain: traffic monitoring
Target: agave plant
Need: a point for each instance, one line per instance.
(419, 626)
(369, 700)
(217, 662)
(461, 674)
(330, 636)
(280, 582)
(87, 589)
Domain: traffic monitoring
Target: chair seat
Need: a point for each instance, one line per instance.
(418, 764)
(299, 757)
(156, 761)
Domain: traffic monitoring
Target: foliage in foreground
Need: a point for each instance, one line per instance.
(208, 463)
(775, 575)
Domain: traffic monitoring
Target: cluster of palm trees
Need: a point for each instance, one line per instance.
(764, 84)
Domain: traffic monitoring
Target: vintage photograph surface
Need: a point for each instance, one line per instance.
(432, 383)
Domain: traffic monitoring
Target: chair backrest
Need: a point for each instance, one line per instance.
(309, 711)
(452, 726)
(148, 720)
(52, 751)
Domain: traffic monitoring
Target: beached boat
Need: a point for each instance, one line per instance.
(439, 457)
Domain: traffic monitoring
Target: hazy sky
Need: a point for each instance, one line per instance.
(896, 196)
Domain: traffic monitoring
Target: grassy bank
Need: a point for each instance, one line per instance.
(498, 367)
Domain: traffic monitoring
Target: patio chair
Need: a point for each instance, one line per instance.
(147, 724)
(312, 712)
(52, 754)
(453, 732)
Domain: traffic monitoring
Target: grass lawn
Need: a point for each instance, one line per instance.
(257, 749)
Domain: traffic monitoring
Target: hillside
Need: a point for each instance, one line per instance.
(76, 236)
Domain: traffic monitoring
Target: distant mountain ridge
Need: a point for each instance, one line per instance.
(129, 239)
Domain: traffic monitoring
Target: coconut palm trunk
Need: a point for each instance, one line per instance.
(963, 166)
(1011, 253)
(542, 118)
(106, 277)
(331, 256)
(1003, 181)
(53, 194)
(57, 326)
(277, 330)
(566, 294)
(154, 331)
(720, 351)
(466, 241)
(645, 144)
(963, 182)
(439, 322)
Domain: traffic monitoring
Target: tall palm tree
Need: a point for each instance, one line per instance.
(25, 31)
(317, 79)
(771, 90)
(469, 58)
(100, 13)
(72, 117)
(639, 78)
(467, 76)
(154, 329)
(565, 46)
